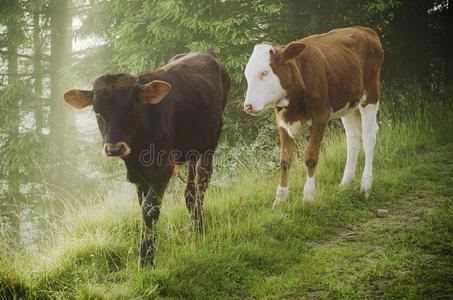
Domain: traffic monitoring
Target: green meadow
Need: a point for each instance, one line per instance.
(333, 247)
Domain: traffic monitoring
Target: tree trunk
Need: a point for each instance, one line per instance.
(37, 70)
(61, 116)
(449, 52)
(13, 182)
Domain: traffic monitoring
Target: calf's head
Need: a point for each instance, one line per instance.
(117, 101)
(271, 73)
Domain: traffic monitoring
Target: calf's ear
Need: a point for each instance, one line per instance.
(78, 99)
(293, 50)
(154, 91)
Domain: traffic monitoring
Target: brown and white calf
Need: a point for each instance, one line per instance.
(315, 79)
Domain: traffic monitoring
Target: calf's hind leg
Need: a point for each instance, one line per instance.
(191, 189)
(369, 131)
(353, 127)
(203, 175)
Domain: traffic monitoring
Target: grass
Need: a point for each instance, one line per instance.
(333, 247)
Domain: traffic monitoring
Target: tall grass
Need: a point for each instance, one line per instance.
(247, 249)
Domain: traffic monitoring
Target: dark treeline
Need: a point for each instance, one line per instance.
(40, 146)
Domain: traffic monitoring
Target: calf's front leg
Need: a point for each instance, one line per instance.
(150, 214)
(142, 191)
(311, 156)
(286, 159)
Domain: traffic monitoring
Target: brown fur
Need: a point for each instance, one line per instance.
(173, 62)
(134, 116)
(115, 82)
(79, 99)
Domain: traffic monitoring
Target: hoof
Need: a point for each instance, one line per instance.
(280, 195)
(366, 192)
(146, 262)
(309, 196)
(347, 180)
(365, 186)
(146, 254)
(309, 189)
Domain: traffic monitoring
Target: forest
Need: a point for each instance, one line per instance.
(70, 223)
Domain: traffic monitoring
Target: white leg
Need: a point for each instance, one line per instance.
(369, 131)
(309, 188)
(353, 128)
(280, 195)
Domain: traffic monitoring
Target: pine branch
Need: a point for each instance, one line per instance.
(44, 56)
(25, 74)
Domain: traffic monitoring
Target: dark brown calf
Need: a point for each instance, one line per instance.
(157, 122)
(312, 80)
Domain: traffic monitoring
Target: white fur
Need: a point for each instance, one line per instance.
(262, 91)
(363, 99)
(294, 129)
(369, 131)
(282, 102)
(360, 125)
(309, 188)
(342, 112)
(280, 195)
(353, 129)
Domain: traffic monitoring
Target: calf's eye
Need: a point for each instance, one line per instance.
(264, 74)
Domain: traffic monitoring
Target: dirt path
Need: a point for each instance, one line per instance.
(365, 245)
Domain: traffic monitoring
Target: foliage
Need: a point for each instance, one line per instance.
(141, 35)
(27, 139)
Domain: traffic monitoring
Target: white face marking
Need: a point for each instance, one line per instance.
(263, 86)
(295, 129)
(309, 188)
